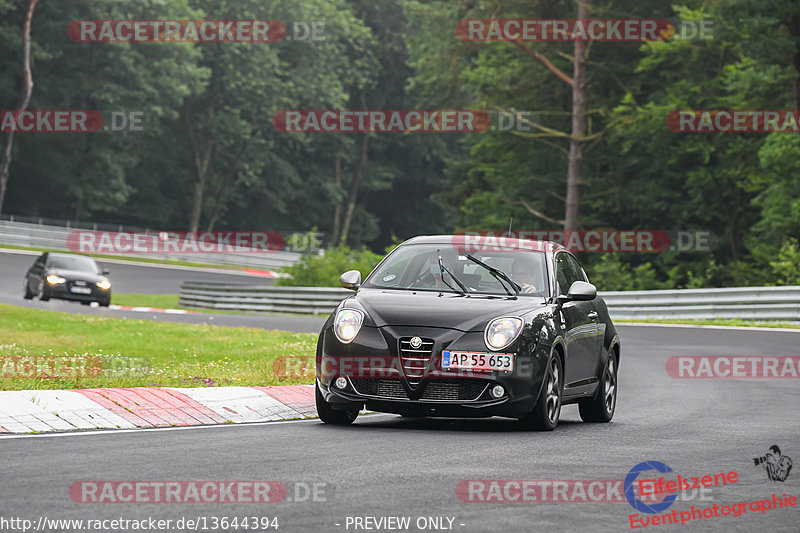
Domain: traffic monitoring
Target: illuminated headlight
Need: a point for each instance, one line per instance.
(55, 280)
(105, 284)
(347, 324)
(502, 331)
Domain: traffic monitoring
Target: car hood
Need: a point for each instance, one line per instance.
(76, 274)
(439, 310)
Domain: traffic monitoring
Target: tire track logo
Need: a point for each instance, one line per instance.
(630, 483)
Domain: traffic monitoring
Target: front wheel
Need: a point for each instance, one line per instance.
(329, 415)
(601, 407)
(26, 288)
(547, 410)
(43, 296)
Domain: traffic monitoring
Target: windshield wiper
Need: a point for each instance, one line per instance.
(498, 274)
(444, 269)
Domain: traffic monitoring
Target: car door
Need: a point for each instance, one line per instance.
(595, 348)
(580, 329)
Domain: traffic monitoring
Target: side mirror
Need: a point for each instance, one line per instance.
(104, 272)
(580, 291)
(351, 280)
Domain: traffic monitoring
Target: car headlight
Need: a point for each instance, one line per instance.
(55, 280)
(347, 324)
(105, 284)
(502, 331)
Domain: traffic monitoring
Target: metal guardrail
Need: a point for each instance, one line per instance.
(748, 303)
(300, 300)
(55, 238)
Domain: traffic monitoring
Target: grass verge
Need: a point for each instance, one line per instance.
(51, 350)
(171, 301)
(164, 301)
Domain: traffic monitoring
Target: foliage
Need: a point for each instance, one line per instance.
(324, 270)
(787, 267)
(637, 173)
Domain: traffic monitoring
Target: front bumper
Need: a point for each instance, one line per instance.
(437, 393)
(63, 291)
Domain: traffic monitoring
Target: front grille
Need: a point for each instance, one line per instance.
(415, 360)
(384, 388)
(437, 389)
(454, 389)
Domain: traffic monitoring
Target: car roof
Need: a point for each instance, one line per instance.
(59, 254)
(498, 241)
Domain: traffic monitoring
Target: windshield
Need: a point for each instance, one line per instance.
(416, 267)
(81, 264)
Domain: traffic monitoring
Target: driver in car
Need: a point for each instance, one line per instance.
(523, 274)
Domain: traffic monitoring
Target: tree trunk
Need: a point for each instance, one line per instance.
(202, 160)
(337, 213)
(353, 194)
(575, 161)
(27, 90)
(222, 191)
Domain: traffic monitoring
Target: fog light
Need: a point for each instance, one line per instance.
(498, 391)
(340, 383)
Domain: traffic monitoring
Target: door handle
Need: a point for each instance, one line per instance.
(593, 315)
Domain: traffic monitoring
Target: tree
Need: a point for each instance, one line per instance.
(27, 90)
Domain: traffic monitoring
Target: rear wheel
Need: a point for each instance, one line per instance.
(547, 410)
(26, 289)
(329, 415)
(601, 407)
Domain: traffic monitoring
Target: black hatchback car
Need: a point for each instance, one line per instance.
(447, 326)
(67, 277)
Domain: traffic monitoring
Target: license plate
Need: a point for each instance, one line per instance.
(81, 290)
(477, 361)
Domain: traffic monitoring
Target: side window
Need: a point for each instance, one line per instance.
(581, 275)
(567, 272)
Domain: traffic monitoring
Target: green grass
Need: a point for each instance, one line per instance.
(130, 257)
(170, 301)
(164, 301)
(718, 322)
(96, 351)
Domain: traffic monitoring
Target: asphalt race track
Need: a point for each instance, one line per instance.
(392, 466)
(147, 279)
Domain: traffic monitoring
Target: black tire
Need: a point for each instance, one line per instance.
(26, 289)
(104, 303)
(329, 415)
(86, 303)
(547, 411)
(601, 407)
(43, 296)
